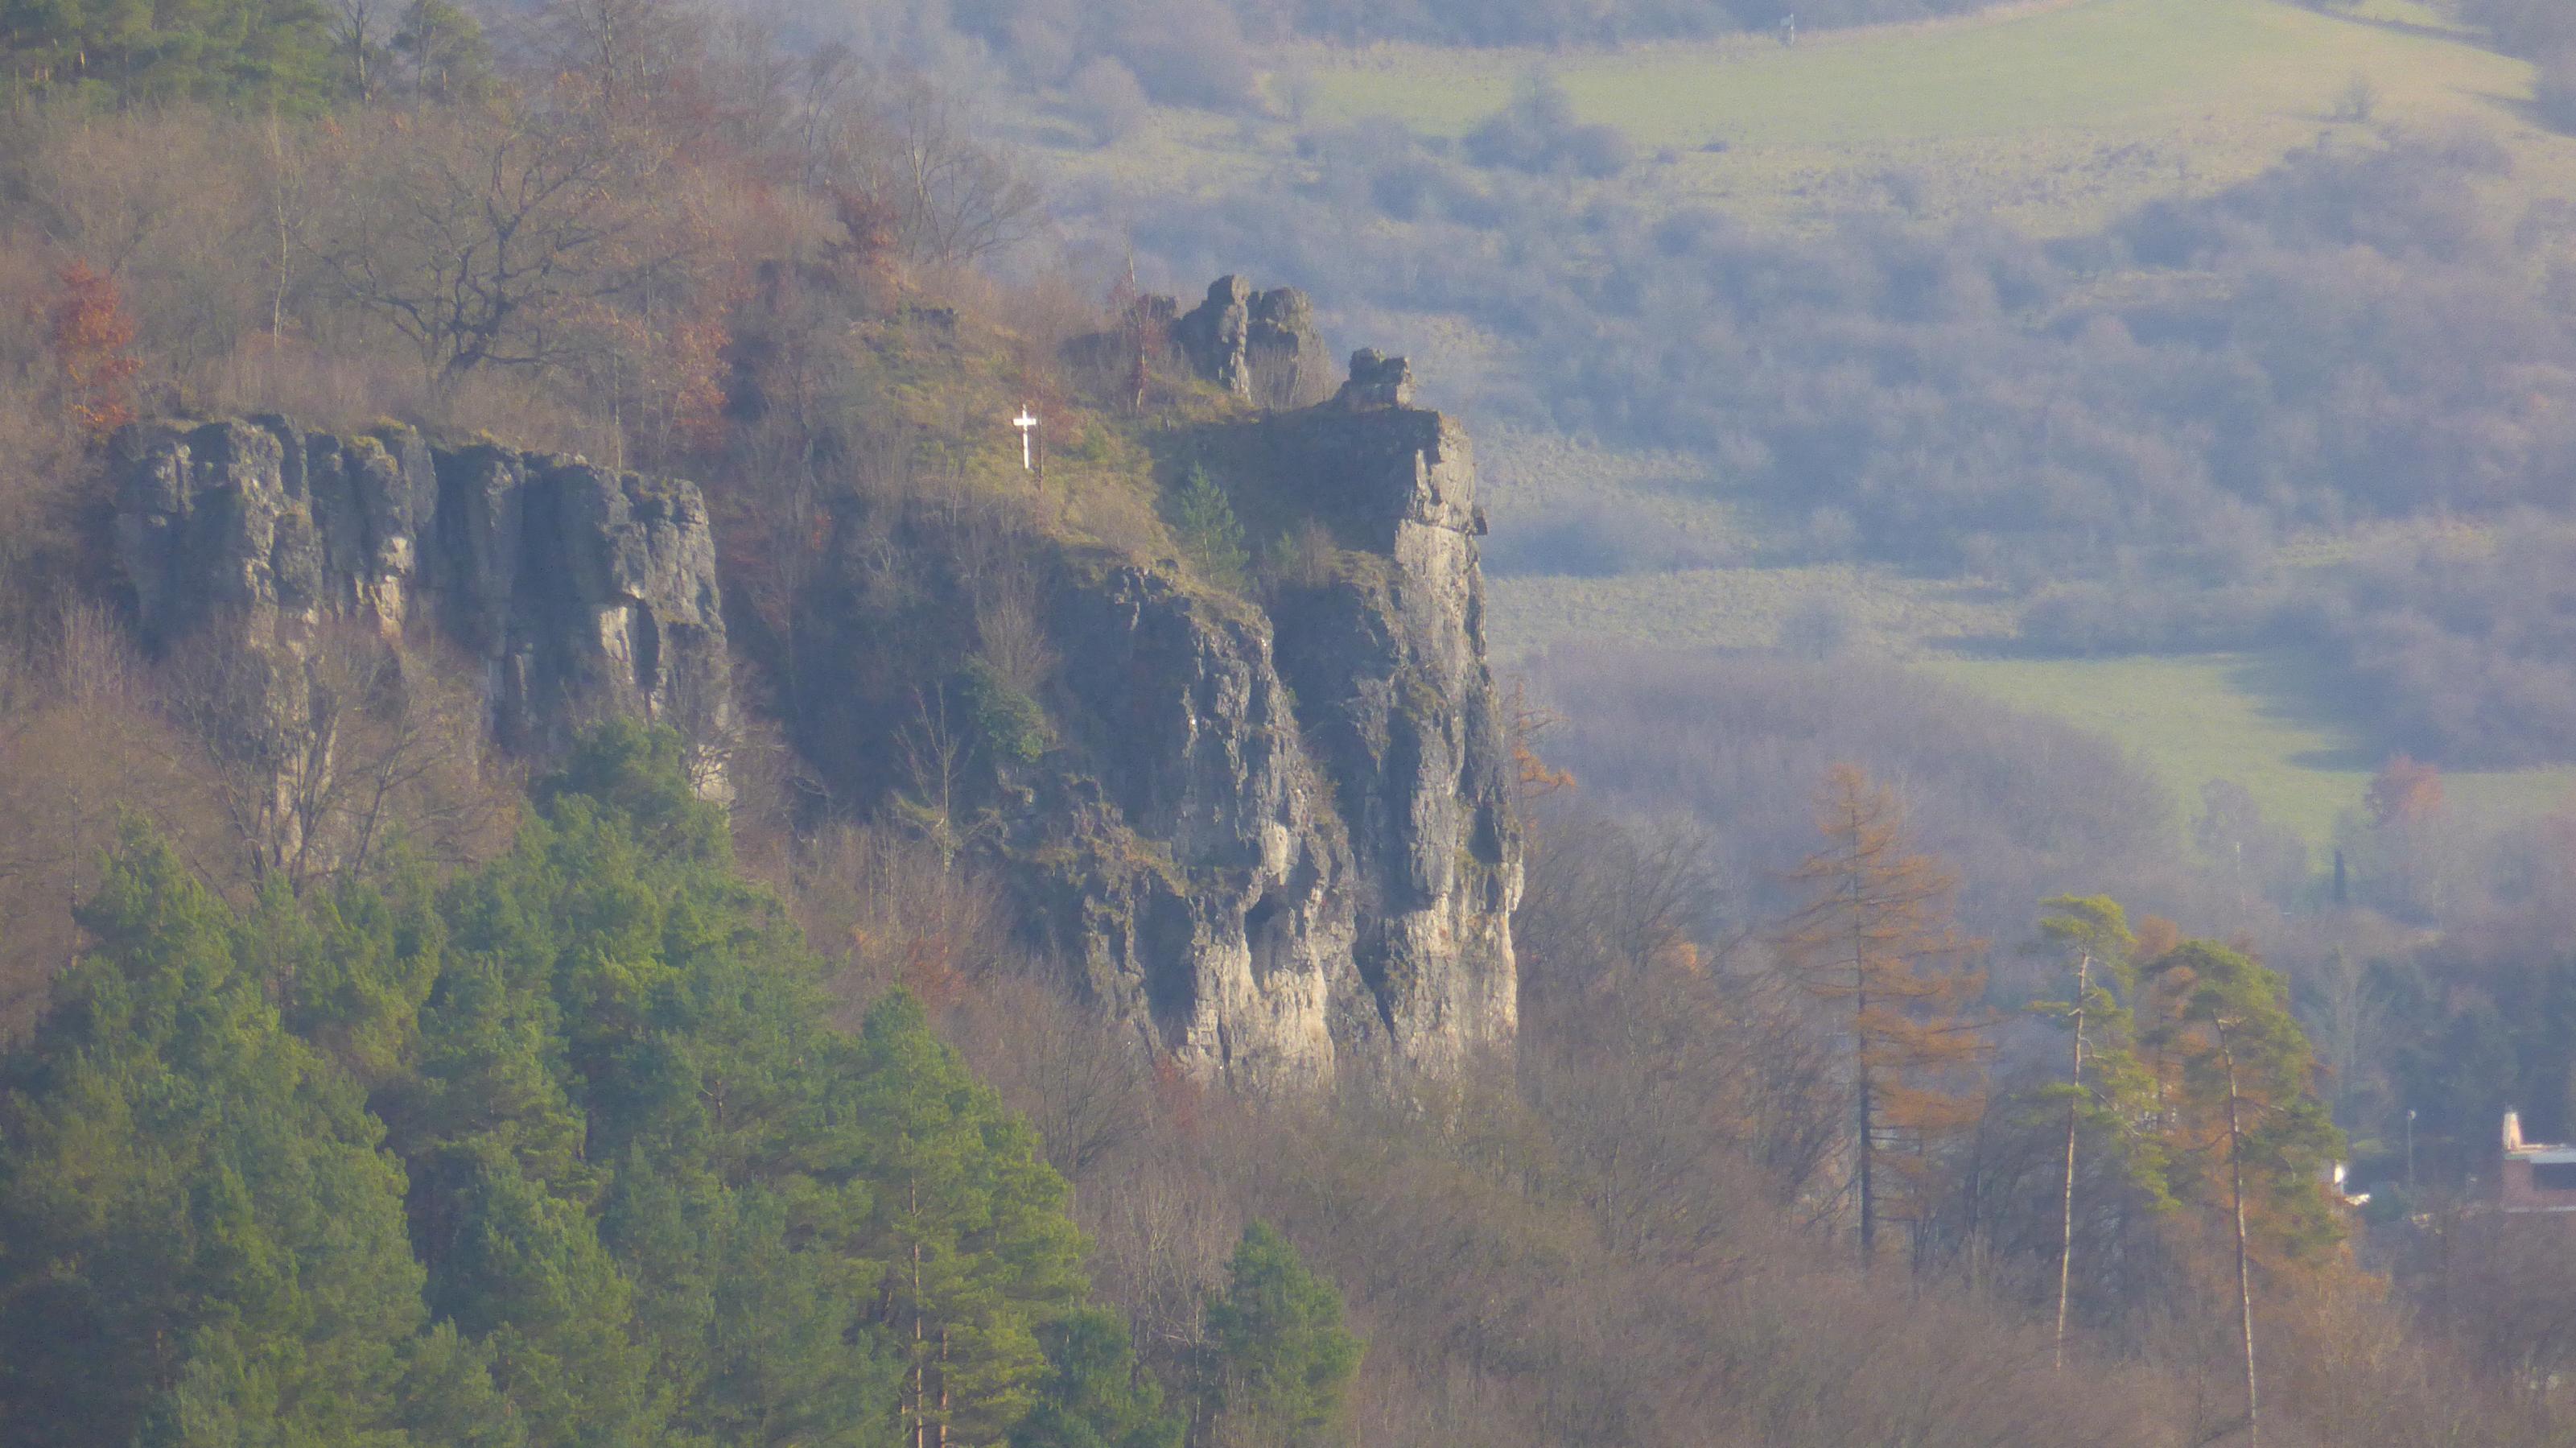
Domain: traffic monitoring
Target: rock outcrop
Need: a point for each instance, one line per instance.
(1268, 828)
(1377, 380)
(1273, 833)
(1193, 865)
(1384, 653)
(1263, 347)
(582, 592)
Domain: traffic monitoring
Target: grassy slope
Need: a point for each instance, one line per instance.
(2251, 718)
(2051, 118)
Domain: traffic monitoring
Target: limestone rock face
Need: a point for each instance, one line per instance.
(1199, 878)
(1386, 658)
(1261, 346)
(1270, 833)
(581, 591)
(1326, 779)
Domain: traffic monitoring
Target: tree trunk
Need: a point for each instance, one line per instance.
(1868, 1197)
(1860, 1050)
(2066, 1234)
(920, 1417)
(2244, 1275)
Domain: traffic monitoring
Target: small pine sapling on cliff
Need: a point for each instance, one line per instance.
(1209, 533)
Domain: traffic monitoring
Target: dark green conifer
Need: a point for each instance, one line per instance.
(1279, 1356)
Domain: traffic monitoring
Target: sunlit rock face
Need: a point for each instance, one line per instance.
(1269, 832)
(1274, 832)
(580, 591)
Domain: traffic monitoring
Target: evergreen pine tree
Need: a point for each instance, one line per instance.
(529, 1279)
(2108, 1096)
(966, 1237)
(1095, 1395)
(1209, 532)
(201, 1240)
(2238, 1081)
(639, 1190)
(1279, 1356)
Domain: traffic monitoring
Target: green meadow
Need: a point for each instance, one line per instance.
(2053, 117)
(2263, 720)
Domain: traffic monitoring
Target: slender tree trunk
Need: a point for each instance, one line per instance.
(920, 1417)
(278, 215)
(1868, 1191)
(2066, 1233)
(2244, 1274)
(939, 1431)
(1860, 1051)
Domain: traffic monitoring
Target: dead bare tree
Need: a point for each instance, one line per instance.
(934, 801)
(955, 202)
(360, 31)
(1081, 1082)
(499, 237)
(411, 761)
(630, 53)
(326, 750)
(269, 739)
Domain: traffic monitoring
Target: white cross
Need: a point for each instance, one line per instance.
(1027, 423)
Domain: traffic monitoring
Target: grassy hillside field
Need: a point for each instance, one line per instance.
(2258, 719)
(2051, 118)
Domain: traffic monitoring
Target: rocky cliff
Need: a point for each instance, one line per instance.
(1264, 821)
(1267, 826)
(1381, 646)
(1259, 346)
(581, 592)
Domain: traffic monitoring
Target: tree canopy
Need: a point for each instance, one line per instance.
(559, 1153)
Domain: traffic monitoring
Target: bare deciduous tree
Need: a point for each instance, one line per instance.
(500, 237)
(325, 751)
(1875, 940)
(955, 202)
(1080, 1082)
(889, 910)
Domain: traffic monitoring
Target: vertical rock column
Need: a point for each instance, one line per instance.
(1387, 659)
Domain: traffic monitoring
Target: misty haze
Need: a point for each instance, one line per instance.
(1263, 723)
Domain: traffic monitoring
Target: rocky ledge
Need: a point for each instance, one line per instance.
(582, 592)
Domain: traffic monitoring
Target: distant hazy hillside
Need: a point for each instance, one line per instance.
(2090, 328)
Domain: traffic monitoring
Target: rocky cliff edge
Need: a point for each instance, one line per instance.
(1270, 832)
(581, 592)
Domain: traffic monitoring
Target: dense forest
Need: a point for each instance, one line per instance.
(457, 1096)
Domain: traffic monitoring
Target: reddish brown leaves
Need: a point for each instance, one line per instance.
(2405, 790)
(90, 336)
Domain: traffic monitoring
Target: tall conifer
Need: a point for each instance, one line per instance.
(1876, 942)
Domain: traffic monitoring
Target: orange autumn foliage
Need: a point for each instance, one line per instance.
(1531, 771)
(2405, 790)
(90, 336)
